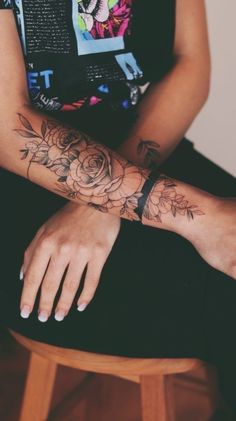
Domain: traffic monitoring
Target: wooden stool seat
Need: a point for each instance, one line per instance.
(152, 373)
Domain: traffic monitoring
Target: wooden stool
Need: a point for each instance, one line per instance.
(153, 374)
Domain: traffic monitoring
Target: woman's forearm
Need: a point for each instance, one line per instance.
(72, 165)
(166, 112)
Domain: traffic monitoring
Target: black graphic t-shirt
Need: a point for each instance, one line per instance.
(79, 53)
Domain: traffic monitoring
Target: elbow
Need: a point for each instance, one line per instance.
(203, 71)
(201, 74)
(206, 80)
(204, 91)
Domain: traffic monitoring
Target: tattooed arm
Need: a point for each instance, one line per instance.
(169, 107)
(73, 165)
(68, 163)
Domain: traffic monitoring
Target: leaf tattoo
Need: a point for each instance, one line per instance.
(149, 149)
(96, 176)
(25, 122)
(165, 199)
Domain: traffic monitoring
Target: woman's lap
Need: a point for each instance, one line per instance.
(156, 297)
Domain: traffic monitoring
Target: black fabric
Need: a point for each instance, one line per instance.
(152, 36)
(156, 298)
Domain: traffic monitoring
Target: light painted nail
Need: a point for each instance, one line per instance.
(59, 315)
(43, 316)
(21, 274)
(81, 307)
(25, 311)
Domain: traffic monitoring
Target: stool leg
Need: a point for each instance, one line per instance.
(38, 389)
(170, 397)
(155, 398)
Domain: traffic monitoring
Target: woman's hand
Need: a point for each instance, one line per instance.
(75, 237)
(215, 235)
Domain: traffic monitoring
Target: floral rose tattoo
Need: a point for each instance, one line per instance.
(164, 198)
(96, 176)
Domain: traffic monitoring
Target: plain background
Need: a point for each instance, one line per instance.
(214, 130)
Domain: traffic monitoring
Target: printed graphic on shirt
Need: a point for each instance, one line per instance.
(93, 32)
(5, 4)
(44, 25)
(100, 25)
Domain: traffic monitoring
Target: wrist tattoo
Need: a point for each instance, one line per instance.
(96, 176)
(165, 199)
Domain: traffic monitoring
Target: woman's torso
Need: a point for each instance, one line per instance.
(79, 53)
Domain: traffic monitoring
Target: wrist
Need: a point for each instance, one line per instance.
(212, 207)
(179, 207)
(190, 228)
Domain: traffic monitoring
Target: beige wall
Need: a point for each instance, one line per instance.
(214, 130)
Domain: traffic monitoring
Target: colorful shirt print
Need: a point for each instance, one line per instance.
(104, 19)
(92, 33)
(78, 53)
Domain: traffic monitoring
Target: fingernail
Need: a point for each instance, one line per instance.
(81, 307)
(25, 311)
(59, 315)
(43, 316)
(21, 274)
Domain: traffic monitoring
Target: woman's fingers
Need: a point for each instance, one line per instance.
(29, 251)
(50, 285)
(46, 265)
(72, 282)
(74, 238)
(70, 286)
(32, 279)
(92, 277)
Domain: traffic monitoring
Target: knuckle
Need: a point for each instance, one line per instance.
(29, 281)
(70, 286)
(100, 246)
(82, 249)
(64, 249)
(46, 243)
(48, 287)
(100, 249)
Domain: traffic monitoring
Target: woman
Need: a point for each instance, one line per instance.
(117, 213)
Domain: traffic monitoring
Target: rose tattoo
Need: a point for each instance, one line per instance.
(97, 176)
(85, 170)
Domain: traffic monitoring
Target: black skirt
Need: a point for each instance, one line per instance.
(156, 297)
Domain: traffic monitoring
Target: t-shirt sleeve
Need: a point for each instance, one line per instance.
(5, 4)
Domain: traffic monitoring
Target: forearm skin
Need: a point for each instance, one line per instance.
(71, 164)
(165, 113)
